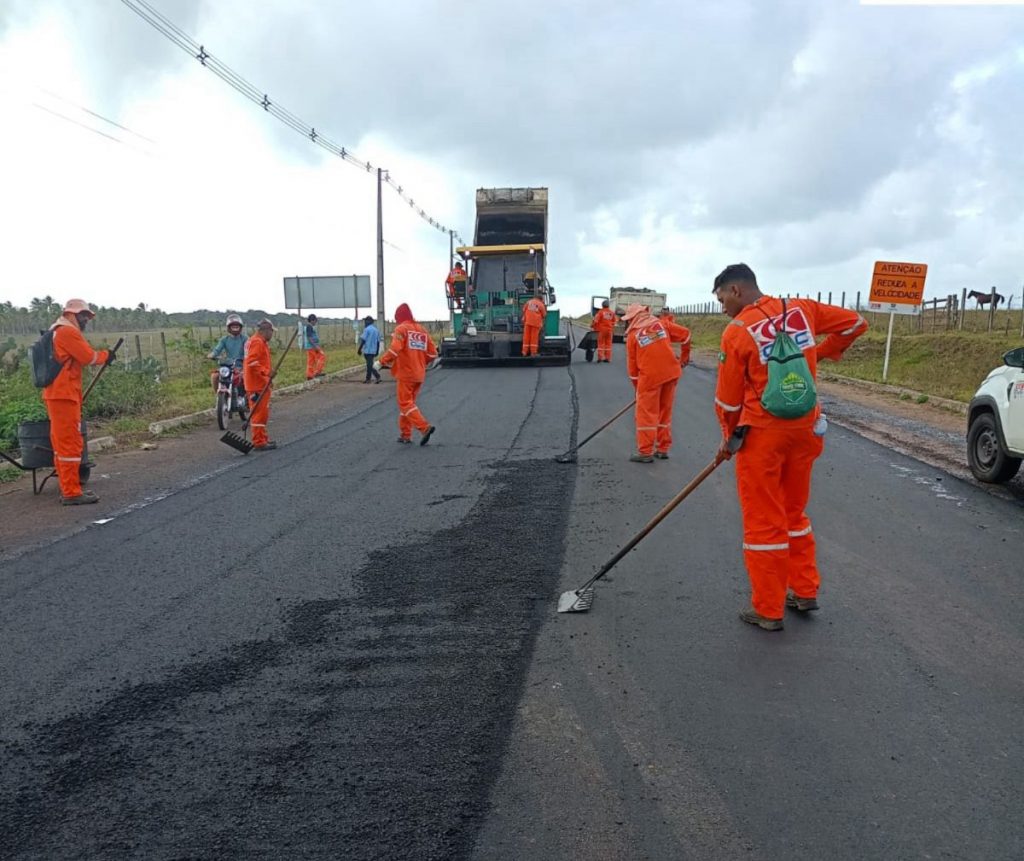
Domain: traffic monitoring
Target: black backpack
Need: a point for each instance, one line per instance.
(45, 366)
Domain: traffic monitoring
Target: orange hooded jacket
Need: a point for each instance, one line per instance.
(650, 359)
(411, 348)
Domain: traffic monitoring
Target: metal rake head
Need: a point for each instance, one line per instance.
(576, 601)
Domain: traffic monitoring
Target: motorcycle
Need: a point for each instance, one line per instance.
(230, 395)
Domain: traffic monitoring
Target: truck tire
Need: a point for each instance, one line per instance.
(985, 455)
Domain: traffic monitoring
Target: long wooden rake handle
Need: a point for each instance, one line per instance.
(273, 374)
(734, 445)
(583, 442)
(103, 367)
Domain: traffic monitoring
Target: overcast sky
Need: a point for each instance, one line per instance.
(808, 139)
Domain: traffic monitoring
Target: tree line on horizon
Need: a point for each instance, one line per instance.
(42, 311)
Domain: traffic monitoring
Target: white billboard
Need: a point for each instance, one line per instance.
(327, 291)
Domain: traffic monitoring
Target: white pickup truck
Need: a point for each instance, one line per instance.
(995, 422)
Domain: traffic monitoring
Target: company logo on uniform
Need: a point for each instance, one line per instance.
(763, 331)
(793, 387)
(648, 335)
(417, 341)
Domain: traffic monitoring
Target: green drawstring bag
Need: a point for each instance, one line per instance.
(790, 392)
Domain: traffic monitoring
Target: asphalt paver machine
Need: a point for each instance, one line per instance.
(506, 266)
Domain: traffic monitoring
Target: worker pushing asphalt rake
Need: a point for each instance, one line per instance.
(570, 455)
(241, 441)
(579, 600)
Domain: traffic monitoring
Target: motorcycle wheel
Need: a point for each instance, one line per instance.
(223, 409)
(242, 408)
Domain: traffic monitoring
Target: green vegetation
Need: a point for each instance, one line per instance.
(135, 392)
(947, 364)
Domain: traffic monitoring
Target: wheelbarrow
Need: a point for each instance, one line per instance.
(36, 454)
(34, 442)
(588, 343)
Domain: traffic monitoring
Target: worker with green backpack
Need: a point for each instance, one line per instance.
(766, 382)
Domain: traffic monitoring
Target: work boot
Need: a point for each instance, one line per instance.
(642, 458)
(86, 497)
(269, 445)
(752, 617)
(404, 440)
(427, 434)
(801, 605)
(661, 455)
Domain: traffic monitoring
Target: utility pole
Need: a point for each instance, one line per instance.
(380, 256)
(451, 250)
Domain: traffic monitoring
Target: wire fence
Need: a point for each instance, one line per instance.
(992, 312)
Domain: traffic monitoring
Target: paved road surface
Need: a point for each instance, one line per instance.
(348, 648)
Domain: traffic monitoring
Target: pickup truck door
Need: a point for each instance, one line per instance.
(1013, 430)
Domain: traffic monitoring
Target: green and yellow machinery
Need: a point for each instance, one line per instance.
(506, 266)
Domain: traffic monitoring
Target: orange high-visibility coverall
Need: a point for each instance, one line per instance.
(678, 334)
(456, 291)
(534, 313)
(63, 398)
(773, 468)
(410, 352)
(604, 324)
(654, 371)
(256, 371)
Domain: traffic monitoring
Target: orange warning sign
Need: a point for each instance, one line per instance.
(897, 284)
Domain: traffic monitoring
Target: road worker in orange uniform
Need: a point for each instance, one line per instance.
(259, 373)
(63, 398)
(534, 312)
(456, 284)
(604, 324)
(773, 467)
(678, 334)
(410, 352)
(654, 371)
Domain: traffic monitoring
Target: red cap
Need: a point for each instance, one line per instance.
(403, 314)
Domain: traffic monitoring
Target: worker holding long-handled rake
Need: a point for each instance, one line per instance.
(258, 376)
(766, 377)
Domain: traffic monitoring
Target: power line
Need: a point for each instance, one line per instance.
(180, 38)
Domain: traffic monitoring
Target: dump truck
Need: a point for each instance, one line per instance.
(506, 266)
(619, 299)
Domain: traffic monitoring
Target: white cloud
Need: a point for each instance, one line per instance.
(807, 140)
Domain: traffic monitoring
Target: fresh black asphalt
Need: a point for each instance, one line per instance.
(348, 649)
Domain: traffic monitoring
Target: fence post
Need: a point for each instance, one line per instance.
(163, 347)
(842, 301)
(126, 359)
(819, 295)
(829, 297)
(1022, 314)
(963, 309)
(992, 309)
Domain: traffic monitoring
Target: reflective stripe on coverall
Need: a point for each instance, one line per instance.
(654, 371)
(407, 358)
(257, 374)
(63, 398)
(773, 468)
(604, 324)
(534, 313)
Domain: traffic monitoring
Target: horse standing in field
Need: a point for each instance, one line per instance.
(984, 298)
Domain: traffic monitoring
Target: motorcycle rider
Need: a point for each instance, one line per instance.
(232, 346)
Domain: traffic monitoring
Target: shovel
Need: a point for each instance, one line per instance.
(579, 600)
(570, 455)
(240, 441)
